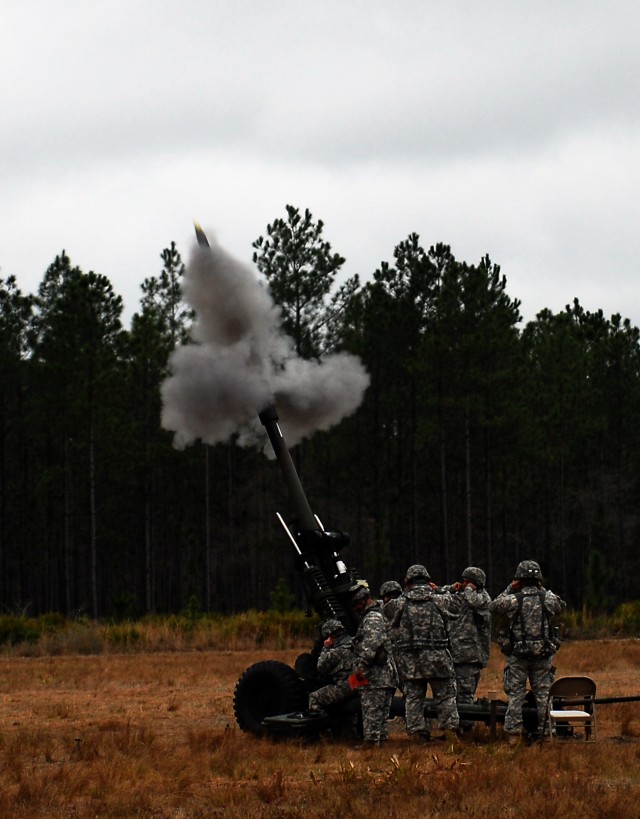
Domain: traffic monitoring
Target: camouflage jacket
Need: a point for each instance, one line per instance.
(529, 612)
(373, 650)
(420, 630)
(470, 631)
(389, 608)
(337, 661)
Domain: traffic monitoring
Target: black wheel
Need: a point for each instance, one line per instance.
(265, 690)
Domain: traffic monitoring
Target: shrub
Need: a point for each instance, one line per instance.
(53, 634)
(627, 618)
(17, 629)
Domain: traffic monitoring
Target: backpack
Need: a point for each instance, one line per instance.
(421, 626)
(533, 642)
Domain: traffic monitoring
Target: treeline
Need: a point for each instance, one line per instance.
(479, 441)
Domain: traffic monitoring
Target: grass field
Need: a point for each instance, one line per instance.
(153, 734)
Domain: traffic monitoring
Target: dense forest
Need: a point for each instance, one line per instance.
(480, 440)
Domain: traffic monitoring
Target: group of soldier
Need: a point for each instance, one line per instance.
(423, 635)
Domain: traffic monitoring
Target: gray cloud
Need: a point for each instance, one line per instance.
(491, 126)
(329, 83)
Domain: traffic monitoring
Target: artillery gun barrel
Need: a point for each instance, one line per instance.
(325, 577)
(269, 419)
(604, 700)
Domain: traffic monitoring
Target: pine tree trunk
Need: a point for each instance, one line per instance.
(467, 470)
(148, 563)
(67, 529)
(445, 505)
(207, 530)
(489, 507)
(92, 503)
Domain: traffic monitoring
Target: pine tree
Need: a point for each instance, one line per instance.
(15, 520)
(161, 325)
(77, 342)
(300, 269)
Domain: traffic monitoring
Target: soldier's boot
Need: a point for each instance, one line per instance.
(515, 740)
(421, 737)
(368, 744)
(450, 736)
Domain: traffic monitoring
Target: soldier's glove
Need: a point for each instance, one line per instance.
(357, 679)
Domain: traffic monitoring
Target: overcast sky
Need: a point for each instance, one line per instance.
(496, 127)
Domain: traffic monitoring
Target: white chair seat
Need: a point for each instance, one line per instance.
(574, 691)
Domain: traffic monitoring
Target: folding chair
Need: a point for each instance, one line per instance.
(571, 702)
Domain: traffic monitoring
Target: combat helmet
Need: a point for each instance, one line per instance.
(528, 570)
(331, 627)
(475, 575)
(359, 591)
(417, 573)
(390, 588)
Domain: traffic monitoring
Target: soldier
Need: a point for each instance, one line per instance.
(531, 643)
(422, 652)
(375, 674)
(470, 634)
(390, 591)
(336, 661)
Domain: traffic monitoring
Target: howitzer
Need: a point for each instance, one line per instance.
(271, 688)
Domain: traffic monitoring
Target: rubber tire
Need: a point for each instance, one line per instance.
(265, 690)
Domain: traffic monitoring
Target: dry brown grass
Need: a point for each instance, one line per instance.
(53, 635)
(153, 735)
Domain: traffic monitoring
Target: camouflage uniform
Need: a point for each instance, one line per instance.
(532, 644)
(335, 662)
(372, 646)
(422, 654)
(470, 635)
(392, 590)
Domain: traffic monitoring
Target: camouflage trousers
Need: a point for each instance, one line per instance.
(540, 674)
(375, 704)
(444, 699)
(330, 695)
(467, 679)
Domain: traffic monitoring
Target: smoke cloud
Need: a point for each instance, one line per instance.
(240, 361)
